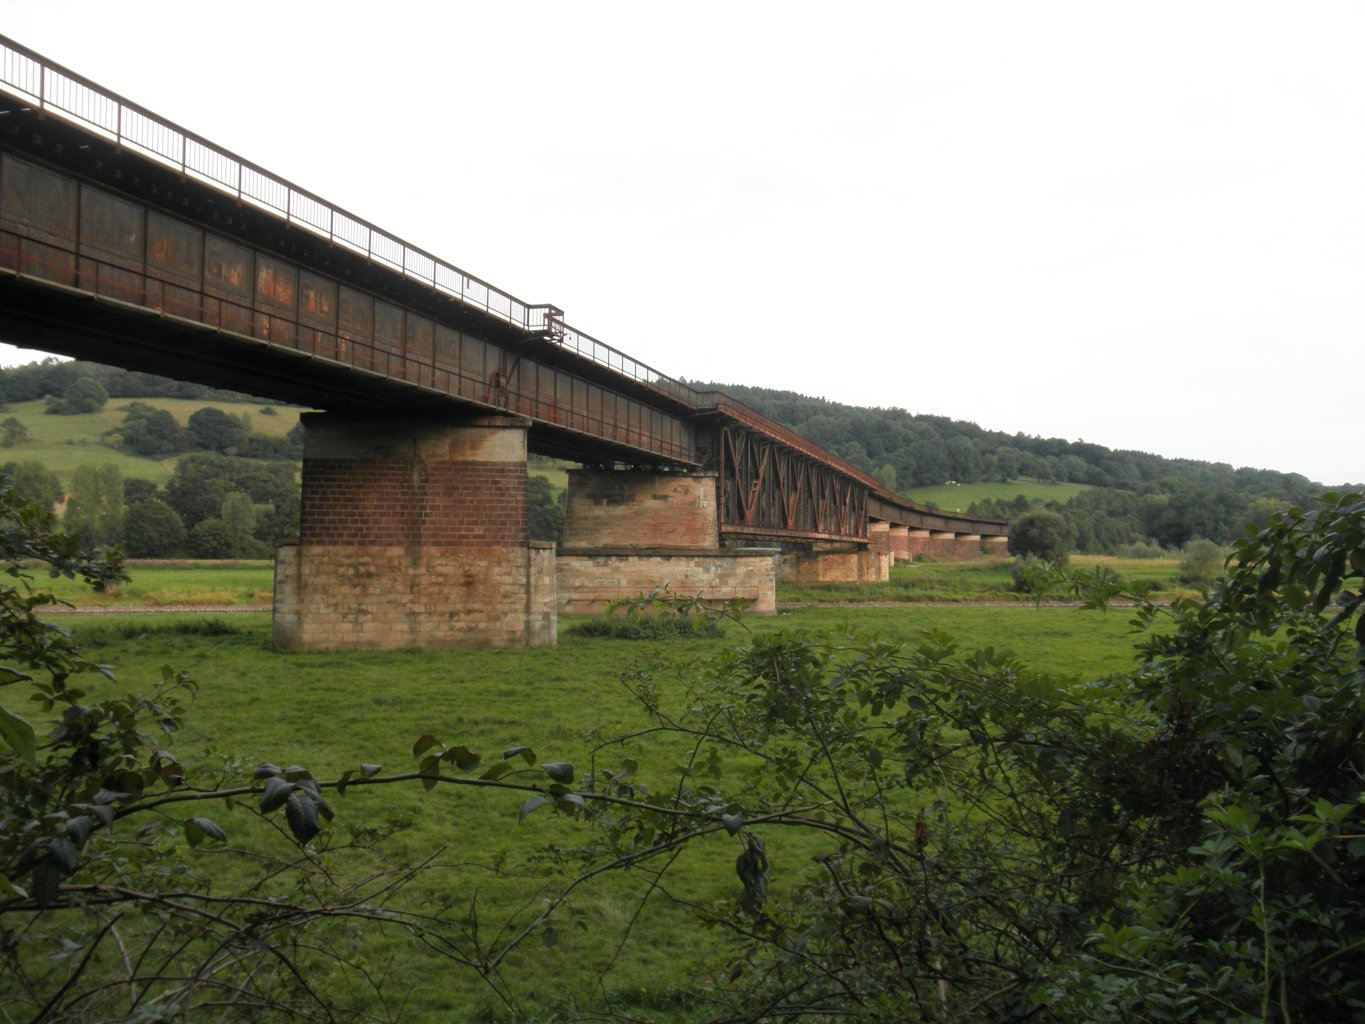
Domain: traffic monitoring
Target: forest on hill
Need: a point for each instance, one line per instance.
(1132, 502)
(167, 468)
(166, 478)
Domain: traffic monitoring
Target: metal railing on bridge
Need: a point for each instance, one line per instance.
(57, 90)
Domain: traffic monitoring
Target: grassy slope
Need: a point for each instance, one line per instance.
(64, 442)
(956, 497)
(332, 711)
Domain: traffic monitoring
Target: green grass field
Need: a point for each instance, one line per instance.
(957, 497)
(983, 580)
(329, 712)
(64, 442)
(160, 583)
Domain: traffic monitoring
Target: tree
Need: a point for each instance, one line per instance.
(213, 430)
(153, 530)
(95, 508)
(544, 514)
(1042, 534)
(154, 433)
(34, 482)
(83, 395)
(1201, 562)
(987, 843)
(239, 520)
(210, 538)
(201, 481)
(12, 432)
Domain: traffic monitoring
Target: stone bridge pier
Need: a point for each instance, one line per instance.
(413, 535)
(627, 532)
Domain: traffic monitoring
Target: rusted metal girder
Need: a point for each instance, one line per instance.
(771, 491)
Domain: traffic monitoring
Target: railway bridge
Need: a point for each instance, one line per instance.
(128, 240)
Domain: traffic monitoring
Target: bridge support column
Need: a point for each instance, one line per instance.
(995, 547)
(879, 538)
(900, 544)
(967, 546)
(836, 563)
(943, 544)
(413, 535)
(628, 532)
(919, 542)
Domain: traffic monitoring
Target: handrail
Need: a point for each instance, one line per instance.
(58, 90)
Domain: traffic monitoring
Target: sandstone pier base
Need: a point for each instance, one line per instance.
(414, 535)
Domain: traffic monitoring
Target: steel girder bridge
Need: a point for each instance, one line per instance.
(127, 240)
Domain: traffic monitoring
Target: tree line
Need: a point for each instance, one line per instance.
(1139, 500)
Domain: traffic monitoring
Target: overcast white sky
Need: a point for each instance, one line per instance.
(1137, 223)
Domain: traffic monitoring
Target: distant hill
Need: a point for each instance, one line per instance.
(1116, 499)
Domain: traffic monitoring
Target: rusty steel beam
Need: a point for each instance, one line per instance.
(769, 490)
(127, 239)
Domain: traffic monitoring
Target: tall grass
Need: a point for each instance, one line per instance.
(330, 712)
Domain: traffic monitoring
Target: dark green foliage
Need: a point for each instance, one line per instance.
(152, 432)
(152, 530)
(1201, 562)
(53, 376)
(1184, 844)
(136, 489)
(213, 430)
(211, 538)
(34, 482)
(1042, 534)
(83, 395)
(200, 483)
(544, 513)
(12, 433)
(95, 509)
(658, 615)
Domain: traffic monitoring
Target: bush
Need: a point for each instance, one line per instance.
(211, 538)
(1201, 562)
(153, 530)
(658, 615)
(1042, 534)
(84, 395)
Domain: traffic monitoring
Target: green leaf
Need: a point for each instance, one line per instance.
(532, 805)
(277, 791)
(301, 812)
(369, 771)
(497, 771)
(266, 771)
(525, 753)
(464, 758)
(18, 734)
(430, 770)
(47, 882)
(560, 771)
(64, 854)
(572, 800)
(341, 782)
(423, 744)
(79, 829)
(733, 822)
(207, 828)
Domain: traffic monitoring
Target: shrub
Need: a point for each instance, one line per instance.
(1201, 562)
(1042, 534)
(85, 394)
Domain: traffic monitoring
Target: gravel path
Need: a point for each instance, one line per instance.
(154, 609)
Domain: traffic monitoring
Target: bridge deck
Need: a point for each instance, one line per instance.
(118, 228)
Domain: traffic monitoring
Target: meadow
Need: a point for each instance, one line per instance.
(160, 583)
(330, 712)
(62, 443)
(957, 497)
